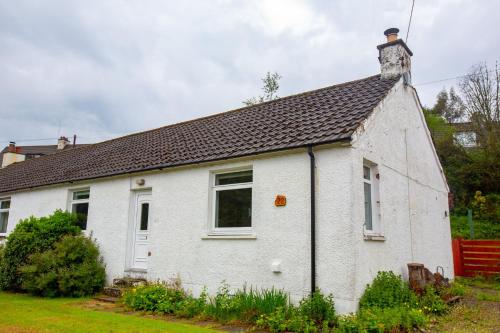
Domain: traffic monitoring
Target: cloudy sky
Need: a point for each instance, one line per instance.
(101, 69)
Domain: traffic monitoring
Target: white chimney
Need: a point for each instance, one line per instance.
(394, 56)
(62, 142)
(12, 155)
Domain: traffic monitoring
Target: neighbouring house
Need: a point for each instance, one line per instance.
(465, 134)
(12, 153)
(319, 189)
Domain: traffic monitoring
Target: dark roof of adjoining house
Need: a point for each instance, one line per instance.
(316, 117)
(38, 150)
(41, 150)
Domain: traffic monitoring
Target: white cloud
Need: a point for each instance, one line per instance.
(102, 68)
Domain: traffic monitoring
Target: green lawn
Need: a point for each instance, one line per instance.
(22, 313)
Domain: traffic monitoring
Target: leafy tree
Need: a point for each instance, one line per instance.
(449, 106)
(270, 88)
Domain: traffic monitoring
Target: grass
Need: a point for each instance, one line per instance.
(483, 229)
(22, 313)
(479, 311)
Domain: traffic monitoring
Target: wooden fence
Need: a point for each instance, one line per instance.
(474, 257)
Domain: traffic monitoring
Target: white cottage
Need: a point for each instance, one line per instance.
(320, 189)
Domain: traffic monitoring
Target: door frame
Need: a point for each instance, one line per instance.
(132, 224)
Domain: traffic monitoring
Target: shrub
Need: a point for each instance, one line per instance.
(73, 268)
(157, 297)
(375, 319)
(432, 303)
(31, 236)
(287, 319)
(191, 306)
(386, 291)
(319, 308)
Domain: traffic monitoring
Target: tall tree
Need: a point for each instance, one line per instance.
(449, 105)
(481, 91)
(270, 88)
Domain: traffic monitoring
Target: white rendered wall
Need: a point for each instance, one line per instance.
(413, 193)
(179, 225)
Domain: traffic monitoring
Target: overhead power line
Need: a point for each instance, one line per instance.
(448, 79)
(409, 22)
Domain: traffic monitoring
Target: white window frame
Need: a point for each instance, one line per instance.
(72, 201)
(374, 182)
(5, 210)
(213, 230)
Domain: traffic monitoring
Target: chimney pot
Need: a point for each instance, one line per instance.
(391, 34)
(12, 147)
(394, 57)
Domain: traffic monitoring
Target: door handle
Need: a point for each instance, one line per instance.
(149, 253)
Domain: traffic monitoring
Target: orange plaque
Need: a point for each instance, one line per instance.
(280, 200)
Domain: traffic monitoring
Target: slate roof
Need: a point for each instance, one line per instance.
(316, 117)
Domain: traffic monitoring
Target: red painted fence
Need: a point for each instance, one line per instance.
(474, 257)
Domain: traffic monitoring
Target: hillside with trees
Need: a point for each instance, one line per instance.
(472, 170)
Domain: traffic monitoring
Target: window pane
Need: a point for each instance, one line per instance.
(234, 178)
(234, 208)
(366, 173)
(81, 210)
(80, 195)
(144, 216)
(4, 218)
(5, 204)
(368, 206)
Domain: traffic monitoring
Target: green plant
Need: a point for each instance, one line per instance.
(455, 289)
(432, 303)
(156, 297)
(72, 268)
(380, 320)
(319, 308)
(30, 236)
(287, 319)
(191, 307)
(386, 291)
(245, 305)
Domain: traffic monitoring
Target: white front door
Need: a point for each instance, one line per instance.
(141, 230)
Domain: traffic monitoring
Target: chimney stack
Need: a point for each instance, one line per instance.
(62, 142)
(12, 147)
(394, 56)
(12, 155)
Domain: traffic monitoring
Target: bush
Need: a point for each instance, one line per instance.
(382, 320)
(387, 290)
(191, 306)
(73, 268)
(432, 303)
(30, 236)
(158, 297)
(319, 308)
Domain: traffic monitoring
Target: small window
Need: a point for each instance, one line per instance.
(80, 207)
(4, 215)
(233, 200)
(144, 216)
(371, 198)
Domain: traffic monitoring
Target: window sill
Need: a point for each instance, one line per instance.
(229, 236)
(374, 237)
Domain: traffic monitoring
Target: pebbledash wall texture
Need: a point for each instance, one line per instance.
(414, 226)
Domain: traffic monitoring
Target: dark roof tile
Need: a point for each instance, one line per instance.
(320, 116)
